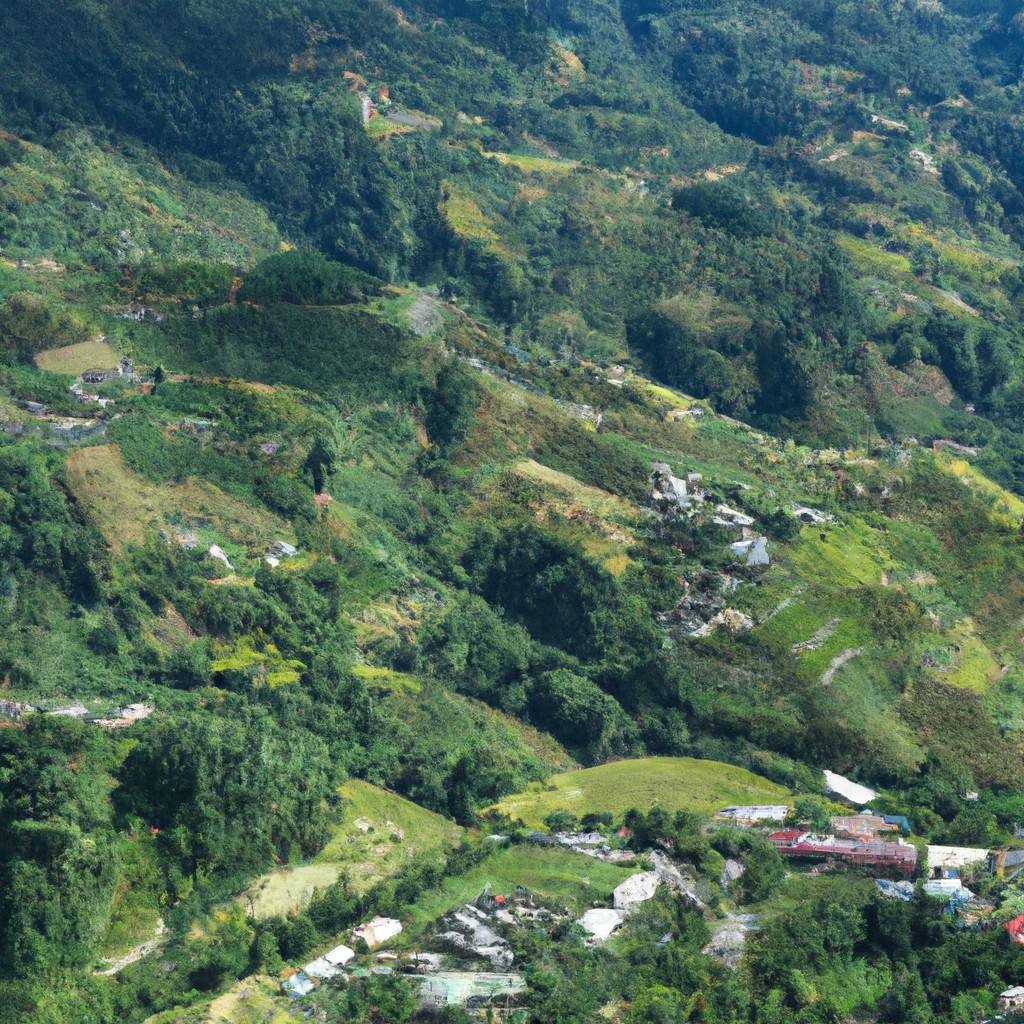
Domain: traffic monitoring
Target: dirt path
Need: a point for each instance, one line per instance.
(838, 662)
(141, 950)
(425, 314)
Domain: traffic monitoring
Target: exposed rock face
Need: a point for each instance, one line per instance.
(636, 889)
(467, 930)
(732, 870)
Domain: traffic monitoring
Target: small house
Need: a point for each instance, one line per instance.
(379, 930)
(1012, 998)
(99, 376)
(948, 861)
(298, 985)
(321, 969)
(749, 814)
(339, 956)
(1006, 863)
(860, 826)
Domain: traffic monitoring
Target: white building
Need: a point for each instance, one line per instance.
(379, 930)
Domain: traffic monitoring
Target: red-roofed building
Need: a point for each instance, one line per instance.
(1016, 929)
(900, 856)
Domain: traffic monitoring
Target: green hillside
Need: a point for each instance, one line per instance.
(671, 783)
(421, 421)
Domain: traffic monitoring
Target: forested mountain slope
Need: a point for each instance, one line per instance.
(374, 391)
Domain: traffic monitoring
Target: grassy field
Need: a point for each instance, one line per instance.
(1006, 506)
(534, 164)
(125, 505)
(847, 557)
(593, 499)
(551, 874)
(396, 833)
(675, 783)
(253, 999)
(288, 889)
(75, 359)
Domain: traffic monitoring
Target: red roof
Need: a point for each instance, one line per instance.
(1016, 929)
(786, 835)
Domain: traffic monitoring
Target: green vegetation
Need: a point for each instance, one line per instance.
(371, 540)
(671, 783)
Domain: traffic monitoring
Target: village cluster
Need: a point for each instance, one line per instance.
(469, 961)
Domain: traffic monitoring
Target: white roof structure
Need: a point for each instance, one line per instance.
(945, 887)
(1013, 993)
(601, 922)
(339, 956)
(636, 889)
(379, 930)
(321, 969)
(954, 856)
(850, 791)
(298, 985)
(756, 812)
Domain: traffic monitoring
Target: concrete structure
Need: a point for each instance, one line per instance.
(860, 826)
(944, 861)
(852, 792)
(379, 930)
(73, 711)
(128, 715)
(461, 988)
(731, 517)
(747, 814)
(467, 929)
(216, 551)
(1012, 998)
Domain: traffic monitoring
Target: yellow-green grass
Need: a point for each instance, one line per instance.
(397, 833)
(465, 217)
(873, 260)
(284, 890)
(974, 667)
(1006, 506)
(126, 506)
(593, 499)
(534, 164)
(555, 876)
(244, 653)
(386, 678)
(76, 359)
(850, 556)
(251, 1000)
(674, 783)
(605, 541)
(378, 127)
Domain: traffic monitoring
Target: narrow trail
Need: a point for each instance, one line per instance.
(141, 950)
